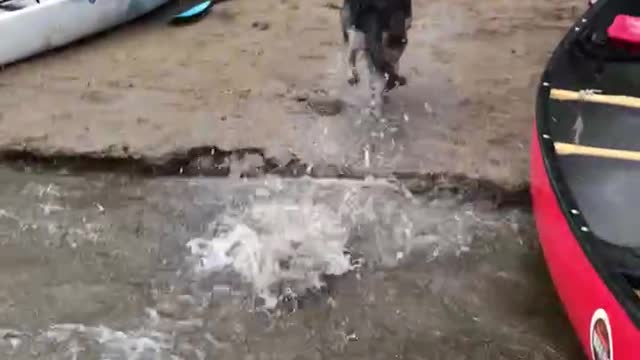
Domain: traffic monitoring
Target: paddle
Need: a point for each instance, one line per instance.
(193, 13)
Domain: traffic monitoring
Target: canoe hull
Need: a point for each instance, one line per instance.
(583, 292)
(54, 23)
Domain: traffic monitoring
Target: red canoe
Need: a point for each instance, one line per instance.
(585, 177)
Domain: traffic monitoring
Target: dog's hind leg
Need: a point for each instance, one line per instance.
(354, 39)
(346, 20)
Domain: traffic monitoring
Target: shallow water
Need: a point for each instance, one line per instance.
(109, 267)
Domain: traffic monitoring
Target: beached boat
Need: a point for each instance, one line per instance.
(585, 176)
(29, 27)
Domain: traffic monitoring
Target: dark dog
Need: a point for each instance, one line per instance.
(379, 29)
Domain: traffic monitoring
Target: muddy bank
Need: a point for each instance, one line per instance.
(107, 266)
(252, 163)
(154, 92)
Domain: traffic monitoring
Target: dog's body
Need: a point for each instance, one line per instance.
(377, 28)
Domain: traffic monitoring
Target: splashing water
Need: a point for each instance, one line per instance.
(138, 345)
(300, 233)
(271, 243)
(281, 237)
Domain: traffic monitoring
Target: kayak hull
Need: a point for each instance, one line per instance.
(54, 23)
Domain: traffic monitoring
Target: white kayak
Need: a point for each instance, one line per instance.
(28, 27)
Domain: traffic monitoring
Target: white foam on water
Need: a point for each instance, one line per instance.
(154, 338)
(8, 215)
(78, 341)
(271, 243)
(308, 229)
(10, 340)
(109, 343)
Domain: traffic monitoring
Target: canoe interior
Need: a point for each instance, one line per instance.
(607, 192)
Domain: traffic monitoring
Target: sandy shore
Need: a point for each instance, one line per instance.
(250, 74)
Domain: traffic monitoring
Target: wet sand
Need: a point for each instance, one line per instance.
(247, 75)
(100, 266)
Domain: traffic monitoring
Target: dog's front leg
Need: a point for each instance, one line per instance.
(356, 44)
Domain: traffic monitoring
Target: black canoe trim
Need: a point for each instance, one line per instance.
(590, 243)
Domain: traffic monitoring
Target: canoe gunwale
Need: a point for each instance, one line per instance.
(589, 242)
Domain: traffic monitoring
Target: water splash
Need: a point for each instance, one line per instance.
(295, 234)
(271, 243)
(280, 236)
(112, 344)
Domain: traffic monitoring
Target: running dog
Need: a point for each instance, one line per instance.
(377, 28)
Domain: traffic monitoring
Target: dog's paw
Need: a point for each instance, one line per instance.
(354, 80)
(390, 85)
(395, 81)
(402, 81)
